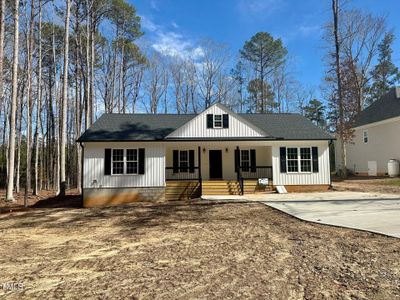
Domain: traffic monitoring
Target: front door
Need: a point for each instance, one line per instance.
(215, 164)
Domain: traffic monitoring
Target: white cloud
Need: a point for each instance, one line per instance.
(147, 24)
(251, 8)
(174, 44)
(154, 5)
(308, 30)
(174, 25)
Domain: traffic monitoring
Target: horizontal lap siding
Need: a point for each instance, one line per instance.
(322, 177)
(94, 166)
(198, 127)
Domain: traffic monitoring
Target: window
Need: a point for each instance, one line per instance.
(292, 160)
(365, 136)
(117, 161)
(217, 121)
(183, 161)
(131, 161)
(299, 160)
(305, 159)
(245, 160)
(125, 161)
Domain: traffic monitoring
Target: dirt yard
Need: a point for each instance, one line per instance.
(367, 184)
(183, 251)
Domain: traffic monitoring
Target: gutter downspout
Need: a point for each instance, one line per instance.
(330, 173)
(82, 160)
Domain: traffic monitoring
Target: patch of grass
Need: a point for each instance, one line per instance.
(393, 182)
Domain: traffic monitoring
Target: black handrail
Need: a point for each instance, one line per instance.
(182, 173)
(256, 172)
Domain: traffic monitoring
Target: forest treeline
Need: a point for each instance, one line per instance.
(64, 63)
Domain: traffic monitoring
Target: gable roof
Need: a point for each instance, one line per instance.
(387, 107)
(156, 127)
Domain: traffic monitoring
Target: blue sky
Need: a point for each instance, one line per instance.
(178, 25)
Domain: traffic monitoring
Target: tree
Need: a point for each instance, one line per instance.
(315, 112)
(261, 95)
(64, 102)
(265, 54)
(11, 149)
(385, 74)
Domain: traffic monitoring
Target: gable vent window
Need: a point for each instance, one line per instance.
(365, 136)
(217, 121)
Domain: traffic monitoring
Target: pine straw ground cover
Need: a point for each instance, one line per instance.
(191, 250)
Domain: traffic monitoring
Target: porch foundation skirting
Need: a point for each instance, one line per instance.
(99, 197)
(307, 188)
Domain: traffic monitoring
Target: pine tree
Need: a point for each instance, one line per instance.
(315, 112)
(385, 74)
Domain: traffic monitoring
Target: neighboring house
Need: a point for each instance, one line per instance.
(130, 157)
(376, 137)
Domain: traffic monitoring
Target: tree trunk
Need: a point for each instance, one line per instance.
(2, 30)
(29, 102)
(39, 101)
(64, 103)
(11, 149)
(341, 129)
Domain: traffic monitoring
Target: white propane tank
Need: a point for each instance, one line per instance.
(393, 168)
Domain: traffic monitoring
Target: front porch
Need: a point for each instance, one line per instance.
(212, 169)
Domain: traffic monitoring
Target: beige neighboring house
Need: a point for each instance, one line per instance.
(376, 137)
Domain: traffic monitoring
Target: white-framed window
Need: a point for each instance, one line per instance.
(245, 160)
(217, 121)
(124, 161)
(299, 160)
(183, 161)
(117, 161)
(132, 162)
(292, 160)
(365, 136)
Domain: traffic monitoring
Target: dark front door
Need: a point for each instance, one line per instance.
(215, 164)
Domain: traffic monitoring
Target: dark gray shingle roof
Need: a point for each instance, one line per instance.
(150, 127)
(385, 108)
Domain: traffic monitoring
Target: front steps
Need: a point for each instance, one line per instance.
(182, 190)
(232, 187)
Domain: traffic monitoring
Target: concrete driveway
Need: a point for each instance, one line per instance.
(366, 211)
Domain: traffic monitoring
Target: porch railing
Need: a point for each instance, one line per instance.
(248, 172)
(182, 173)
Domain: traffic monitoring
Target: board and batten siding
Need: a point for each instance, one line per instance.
(93, 166)
(322, 177)
(198, 127)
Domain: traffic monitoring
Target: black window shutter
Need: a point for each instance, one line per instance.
(225, 121)
(253, 160)
(282, 151)
(191, 161)
(175, 161)
(237, 159)
(141, 161)
(315, 166)
(210, 121)
(107, 161)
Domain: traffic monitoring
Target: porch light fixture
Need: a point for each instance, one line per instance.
(226, 149)
(204, 150)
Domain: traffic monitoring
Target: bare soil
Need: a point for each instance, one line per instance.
(202, 250)
(367, 184)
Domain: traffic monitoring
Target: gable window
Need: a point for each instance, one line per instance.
(131, 161)
(245, 160)
(183, 161)
(217, 121)
(365, 136)
(117, 161)
(292, 160)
